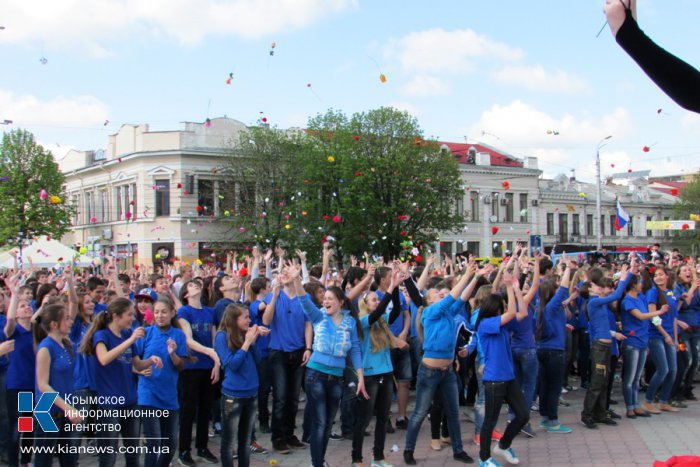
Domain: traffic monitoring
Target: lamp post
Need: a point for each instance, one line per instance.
(599, 239)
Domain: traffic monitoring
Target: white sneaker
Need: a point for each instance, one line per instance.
(508, 454)
(381, 463)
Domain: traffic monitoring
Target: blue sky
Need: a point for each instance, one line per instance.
(501, 73)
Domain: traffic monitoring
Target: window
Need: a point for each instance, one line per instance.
(523, 207)
(630, 227)
(162, 197)
(563, 227)
(446, 249)
(649, 232)
(550, 223)
(473, 248)
(589, 225)
(509, 207)
(132, 203)
(246, 196)
(666, 231)
(509, 247)
(613, 230)
(575, 224)
(75, 201)
(602, 225)
(474, 205)
(459, 206)
(89, 206)
(104, 205)
(494, 204)
(205, 197)
(119, 202)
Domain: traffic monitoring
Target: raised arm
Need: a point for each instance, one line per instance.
(425, 274)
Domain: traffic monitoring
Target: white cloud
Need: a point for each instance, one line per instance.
(536, 78)
(406, 107)
(521, 124)
(28, 110)
(88, 22)
(691, 123)
(423, 86)
(437, 50)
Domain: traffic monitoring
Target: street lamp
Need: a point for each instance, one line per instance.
(601, 143)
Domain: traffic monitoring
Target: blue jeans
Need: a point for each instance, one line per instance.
(349, 401)
(633, 365)
(160, 451)
(428, 381)
(287, 374)
(323, 394)
(480, 401)
(551, 376)
(130, 438)
(664, 358)
(237, 417)
(525, 365)
(47, 441)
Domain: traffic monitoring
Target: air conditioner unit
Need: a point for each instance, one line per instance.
(535, 202)
(504, 202)
(107, 234)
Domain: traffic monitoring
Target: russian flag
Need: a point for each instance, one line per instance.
(621, 218)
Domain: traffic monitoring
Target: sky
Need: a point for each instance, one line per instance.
(529, 78)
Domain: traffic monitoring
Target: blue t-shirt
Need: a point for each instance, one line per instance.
(287, 326)
(689, 314)
(99, 308)
(219, 310)
(495, 343)
(668, 318)
(115, 379)
(240, 370)
(523, 332)
(554, 322)
(160, 389)
(84, 372)
(256, 315)
(374, 363)
(202, 322)
(635, 330)
(60, 371)
(397, 326)
(20, 371)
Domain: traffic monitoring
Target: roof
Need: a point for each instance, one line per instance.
(668, 187)
(498, 158)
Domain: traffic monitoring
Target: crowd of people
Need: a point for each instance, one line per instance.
(152, 353)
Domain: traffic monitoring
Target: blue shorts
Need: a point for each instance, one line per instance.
(401, 361)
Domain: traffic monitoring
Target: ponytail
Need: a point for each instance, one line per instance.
(117, 307)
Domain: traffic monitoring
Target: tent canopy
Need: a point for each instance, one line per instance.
(44, 253)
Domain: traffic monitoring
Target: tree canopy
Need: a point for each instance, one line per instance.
(369, 182)
(32, 200)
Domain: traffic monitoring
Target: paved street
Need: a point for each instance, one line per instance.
(633, 443)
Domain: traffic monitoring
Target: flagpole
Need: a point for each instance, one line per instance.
(599, 233)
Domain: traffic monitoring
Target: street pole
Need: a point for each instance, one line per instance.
(599, 192)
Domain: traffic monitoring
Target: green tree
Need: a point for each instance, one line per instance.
(26, 168)
(687, 206)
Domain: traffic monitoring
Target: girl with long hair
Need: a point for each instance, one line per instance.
(663, 340)
(55, 361)
(550, 332)
(337, 333)
(635, 316)
(377, 368)
(234, 343)
(687, 288)
(493, 327)
(111, 340)
(165, 341)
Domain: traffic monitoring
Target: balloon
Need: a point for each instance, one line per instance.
(382, 78)
(83, 250)
(53, 199)
(331, 159)
(506, 185)
(227, 213)
(336, 219)
(43, 195)
(494, 230)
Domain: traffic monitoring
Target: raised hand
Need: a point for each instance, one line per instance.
(615, 13)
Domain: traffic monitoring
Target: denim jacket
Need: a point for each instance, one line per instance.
(332, 343)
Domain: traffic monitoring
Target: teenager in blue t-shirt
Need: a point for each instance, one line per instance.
(235, 345)
(687, 289)
(199, 376)
(493, 328)
(635, 326)
(164, 349)
(20, 371)
(112, 341)
(259, 288)
(663, 341)
(377, 367)
(55, 361)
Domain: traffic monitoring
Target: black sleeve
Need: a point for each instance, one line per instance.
(413, 292)
(396, 310)
(523, 278)
(675, 77)
(381, 309)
